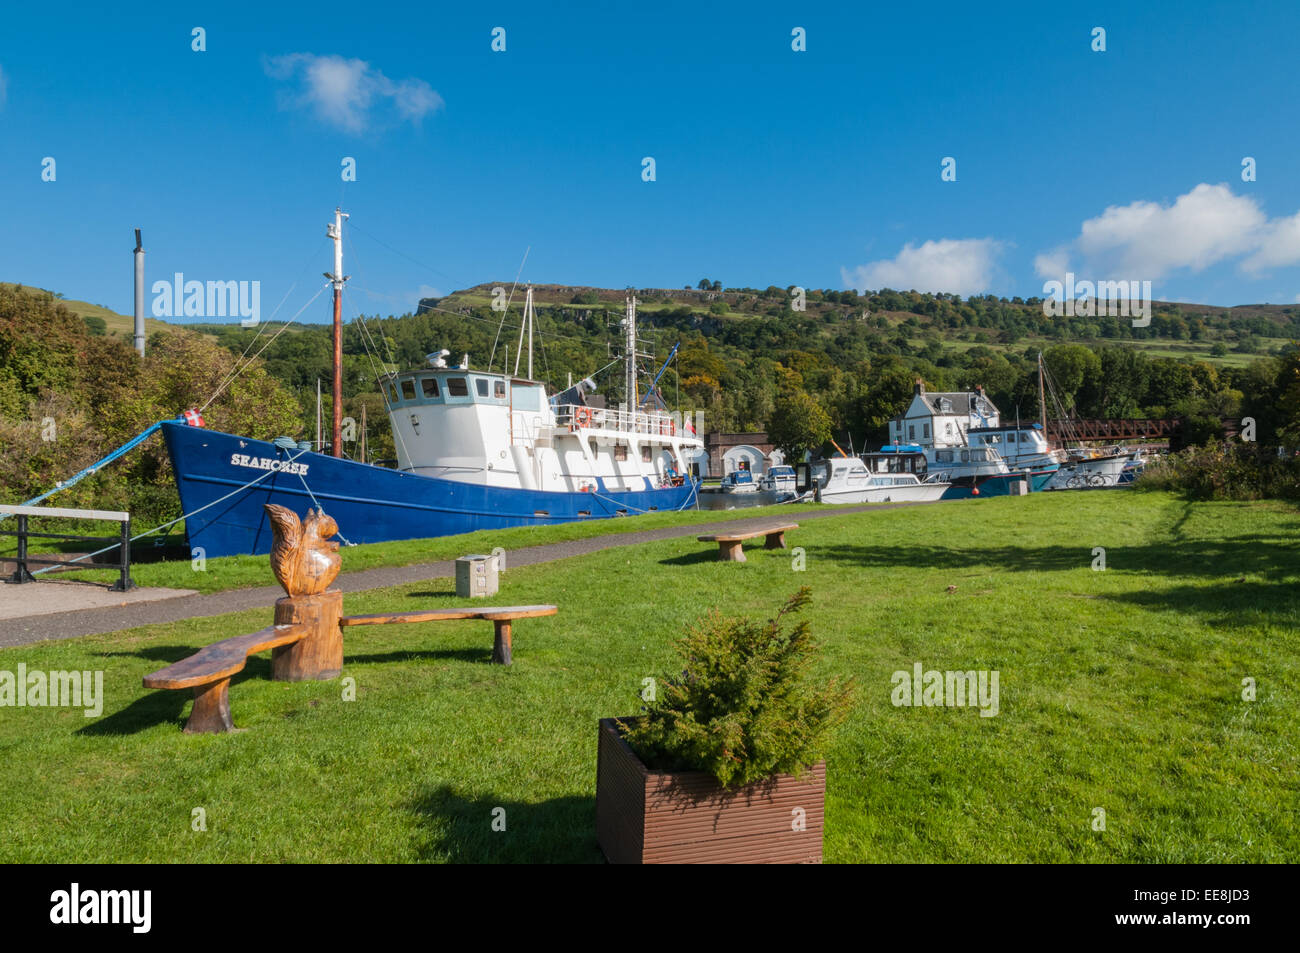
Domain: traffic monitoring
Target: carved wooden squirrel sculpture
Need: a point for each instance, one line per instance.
(302, 557)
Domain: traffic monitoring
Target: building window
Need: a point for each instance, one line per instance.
(430, 386)
(911, 431)
(925, 430)
(456, 387)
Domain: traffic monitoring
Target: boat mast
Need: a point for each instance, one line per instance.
(629, 326)
(335, 232)
(1042, 398)
(527, 322)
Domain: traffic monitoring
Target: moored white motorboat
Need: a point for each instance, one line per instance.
(739, 481)
(847, 480)
(779, 480)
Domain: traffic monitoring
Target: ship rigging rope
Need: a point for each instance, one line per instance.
(367, 342)
(183, 516)
(371, 349)
(510, 298)
(240, 368)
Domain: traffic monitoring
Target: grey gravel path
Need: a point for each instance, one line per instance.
(68, 625)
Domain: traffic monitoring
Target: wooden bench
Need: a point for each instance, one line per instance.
(729, 544)
(501, 617)
(209, 670)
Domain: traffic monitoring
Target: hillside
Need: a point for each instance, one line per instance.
(1223, 336)
(116, 325)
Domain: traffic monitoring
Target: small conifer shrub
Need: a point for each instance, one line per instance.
(744, 707)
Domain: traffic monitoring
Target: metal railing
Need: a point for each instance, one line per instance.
(610, 418)
(21, 573)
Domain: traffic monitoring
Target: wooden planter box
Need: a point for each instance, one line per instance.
(687, 817)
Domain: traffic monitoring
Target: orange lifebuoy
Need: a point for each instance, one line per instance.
(581, 417)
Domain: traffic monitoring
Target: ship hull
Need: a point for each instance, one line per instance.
(999, 484)
(371, 504)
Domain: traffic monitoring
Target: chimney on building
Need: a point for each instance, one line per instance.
(919, 388)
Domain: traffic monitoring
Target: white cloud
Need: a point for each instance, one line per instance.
(1203, 227)
(1149, 240)
(349, 93)
(1279, 245)
(1052, 264)
(954, 265)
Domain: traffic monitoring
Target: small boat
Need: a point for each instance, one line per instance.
(739, 481)
(779, 480)
(847, 480)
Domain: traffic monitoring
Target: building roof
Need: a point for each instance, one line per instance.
(963, 403)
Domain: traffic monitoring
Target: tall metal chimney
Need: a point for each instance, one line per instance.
(139, 294)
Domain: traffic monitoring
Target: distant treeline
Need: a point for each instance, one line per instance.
(848, 361)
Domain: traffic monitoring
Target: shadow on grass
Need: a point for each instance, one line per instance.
(460, 829)
(1232, 603)
(426, 655)
(1168, 570)
(693, 559)
(1235, 556)
(162, 706)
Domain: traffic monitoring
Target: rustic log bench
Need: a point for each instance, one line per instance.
(209, 671)
(729, 544)
(501, 617)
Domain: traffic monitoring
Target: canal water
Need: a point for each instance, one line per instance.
(717, 500)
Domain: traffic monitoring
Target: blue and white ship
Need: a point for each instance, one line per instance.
(476, 449)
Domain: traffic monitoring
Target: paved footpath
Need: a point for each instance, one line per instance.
(91, 621)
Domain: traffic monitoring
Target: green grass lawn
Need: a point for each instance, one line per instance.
(1119, 689)
(238, 572)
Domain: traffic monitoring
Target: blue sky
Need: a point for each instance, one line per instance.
(819, 168)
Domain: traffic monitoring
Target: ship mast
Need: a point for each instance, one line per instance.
(1042, 399)
(335, 232)
(629, 326)
(528, 323)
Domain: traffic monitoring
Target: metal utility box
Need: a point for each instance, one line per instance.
(1020, 487)
(476, 576)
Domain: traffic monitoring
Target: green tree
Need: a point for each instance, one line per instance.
(799, 425)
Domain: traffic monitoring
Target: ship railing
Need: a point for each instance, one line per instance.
(654, 423)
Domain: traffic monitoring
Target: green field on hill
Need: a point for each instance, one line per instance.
(1120, 690)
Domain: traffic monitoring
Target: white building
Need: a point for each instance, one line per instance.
(942, 419)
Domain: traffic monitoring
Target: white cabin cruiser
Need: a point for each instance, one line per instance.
(780, 479)
(847, 480)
